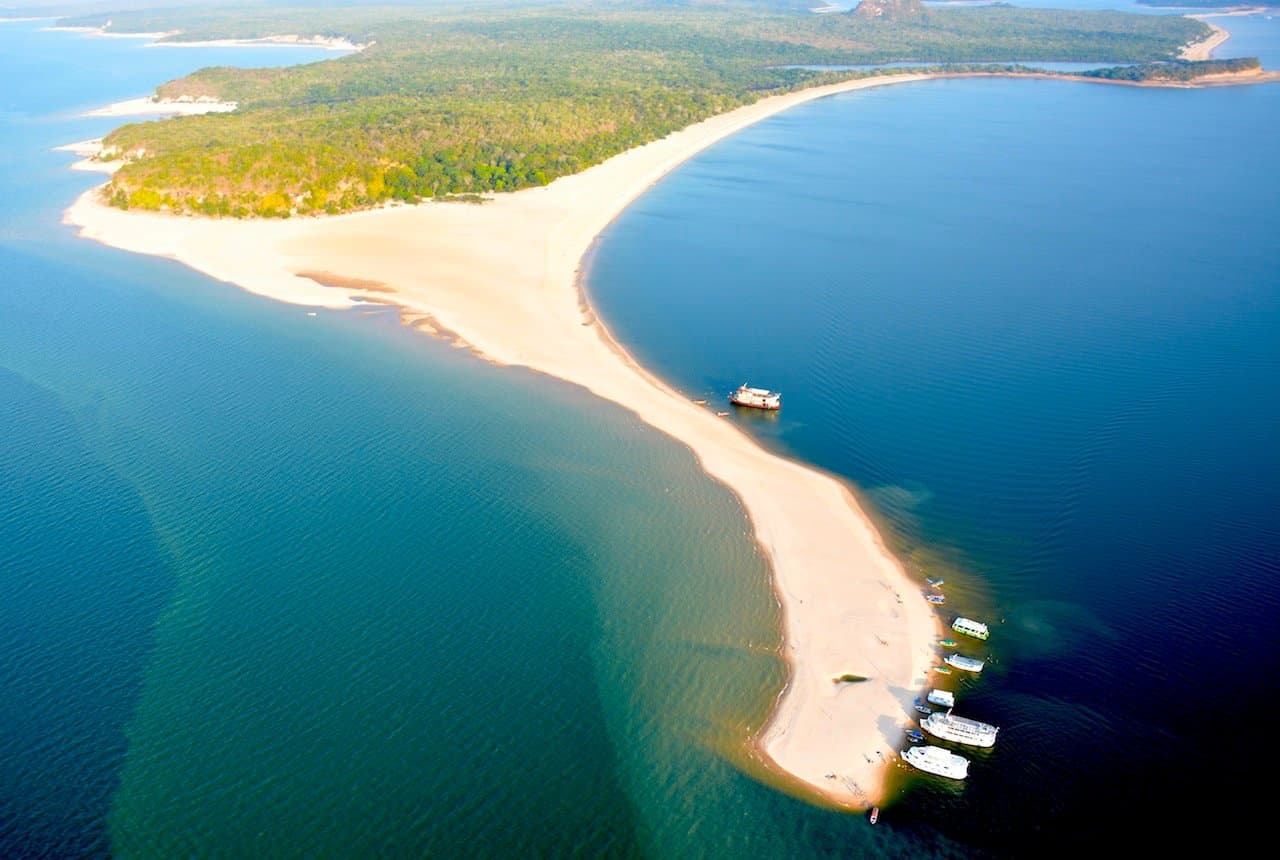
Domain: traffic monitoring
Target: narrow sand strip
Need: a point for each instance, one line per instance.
(1203, 50)
(326, 42)
(503, 276)
(152, 106)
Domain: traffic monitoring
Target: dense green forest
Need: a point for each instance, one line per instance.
(1175, 71)
(450, 99)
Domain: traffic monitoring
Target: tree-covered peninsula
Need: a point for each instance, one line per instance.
(453, 99)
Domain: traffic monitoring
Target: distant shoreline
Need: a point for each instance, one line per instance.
(848, 606)
(161, 39)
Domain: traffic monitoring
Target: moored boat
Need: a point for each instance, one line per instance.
(942, 670)
(936, 760)
(943, 698)
(875, 814)
(922, 707)
(948, 643)
(969, 627)
(935, 598)
(960, 730)
(915, 735)
(968, 664)
(756, 398)
(934, 583)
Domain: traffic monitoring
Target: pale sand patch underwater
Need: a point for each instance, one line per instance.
(503, 277)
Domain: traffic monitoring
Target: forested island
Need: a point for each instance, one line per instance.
(447, 99)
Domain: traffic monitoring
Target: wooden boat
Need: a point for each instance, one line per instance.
(935, 598)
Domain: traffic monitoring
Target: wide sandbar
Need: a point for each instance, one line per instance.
(503, 278)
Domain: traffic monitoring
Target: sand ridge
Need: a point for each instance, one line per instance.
(502, 277)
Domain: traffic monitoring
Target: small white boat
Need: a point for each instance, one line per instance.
(938, 761)
(968, 664)
(944, 698)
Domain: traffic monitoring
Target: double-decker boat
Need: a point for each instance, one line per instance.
(961, 730)
(756, 398)
(969, 627)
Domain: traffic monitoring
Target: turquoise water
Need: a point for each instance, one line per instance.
(278, 585)
(288, 586)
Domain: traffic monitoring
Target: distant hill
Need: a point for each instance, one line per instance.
(888, 10)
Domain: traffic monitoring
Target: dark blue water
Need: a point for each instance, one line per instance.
(1039, 323)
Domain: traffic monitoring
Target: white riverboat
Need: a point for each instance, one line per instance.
(969, 627)
(944, 698)
(756, 398)
(961, 730)
(968, 664)
(937, 760)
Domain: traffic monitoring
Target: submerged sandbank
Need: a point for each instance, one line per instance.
(503, 277)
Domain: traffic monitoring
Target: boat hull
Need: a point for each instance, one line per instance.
(967, 664)
(968, 627)
(960, 730)
(937, 761)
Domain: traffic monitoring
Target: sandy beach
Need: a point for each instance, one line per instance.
(327, 42)
(503, 278)
(1203, 50)
(152, 106)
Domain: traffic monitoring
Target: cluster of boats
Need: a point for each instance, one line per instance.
(944, 724)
